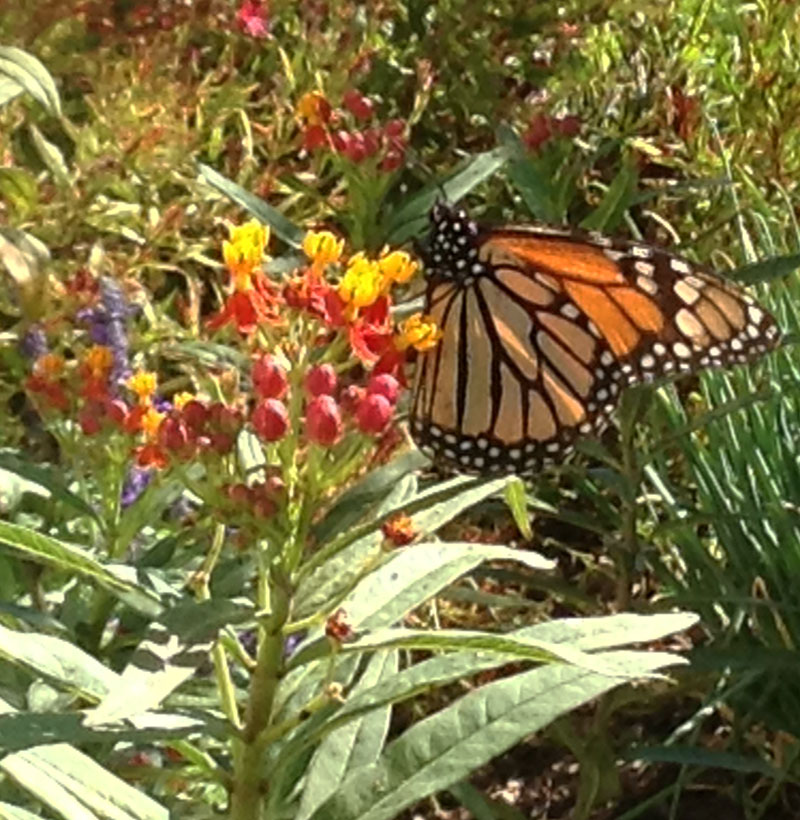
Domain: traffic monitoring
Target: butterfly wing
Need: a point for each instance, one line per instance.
(542, 330)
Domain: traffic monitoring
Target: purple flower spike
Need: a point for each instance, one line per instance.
(34, 343)
(135, 484)
(113, 299)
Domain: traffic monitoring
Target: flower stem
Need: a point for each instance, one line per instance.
(248, 786)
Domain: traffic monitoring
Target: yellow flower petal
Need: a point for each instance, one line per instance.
(418, 331)
(144, 385)
(363, 282)
(322, 247)
(398, 266)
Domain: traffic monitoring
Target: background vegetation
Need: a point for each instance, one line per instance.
(674, 122)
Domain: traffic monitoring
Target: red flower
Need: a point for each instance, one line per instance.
(311, 293)
(323, 420)
(151, 455)
(374, 414)
(321, 380)
(338, 627)
(371, 333)
(393, 362)
(271, 420)
(314, 137)
(567, 125)
(269, 378)
(252, 19)
(538, 133)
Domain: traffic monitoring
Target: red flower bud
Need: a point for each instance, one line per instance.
(173, 435)
(374, 414)
(195, 416)
(356, 148)
(357, 104)
(221, 443)
(269, 378)
(568, 125)
(90, 418)
(384, 384)
(271, 420)
(323, 420)
(395, 128)
(351, 397)
(392, 161)
(372, 141)
(321, 380)
(340, 141)
(225, 419)
(238, 493)
(264, 508)
(116, 410)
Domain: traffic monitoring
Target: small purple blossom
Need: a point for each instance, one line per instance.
(34, 343)
(134, 485)
(114, 302)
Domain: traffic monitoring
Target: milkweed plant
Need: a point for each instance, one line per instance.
(240, 549)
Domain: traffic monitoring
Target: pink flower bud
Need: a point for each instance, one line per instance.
(321, 380)
(374, 414)
(269, 378)
(323, 420)
(384, 384)
(270, 420)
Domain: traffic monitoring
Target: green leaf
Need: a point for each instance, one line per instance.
(444, 748)
(26, 70)
(607, 631)
(524, 172)
(9, 90)
(355, 503)
(618, 198)
(411, 218)
(357, 743)
(481, 807)
(262, 211)
(419, 572)
(43, 549)
(50, 155)
(705, 758)
(26, 730)
(74, 786)
(59, 661)
(766, 270)
(9, 812)
(19, 189)
(47, 478)
(517, 501)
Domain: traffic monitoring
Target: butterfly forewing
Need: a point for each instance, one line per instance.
(543, 328)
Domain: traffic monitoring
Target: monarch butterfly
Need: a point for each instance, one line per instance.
(543, 328)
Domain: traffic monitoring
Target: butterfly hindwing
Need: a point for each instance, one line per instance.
(542, 329)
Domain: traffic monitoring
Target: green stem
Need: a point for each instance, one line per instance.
(248, 787)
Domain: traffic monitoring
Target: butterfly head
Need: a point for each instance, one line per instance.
(451, 249)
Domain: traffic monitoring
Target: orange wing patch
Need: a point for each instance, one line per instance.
(583, 262)
(621, 336)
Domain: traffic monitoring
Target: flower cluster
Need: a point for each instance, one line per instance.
(324, 127)
(325, 376)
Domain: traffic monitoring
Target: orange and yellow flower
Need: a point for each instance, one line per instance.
(143, 384)
(418, 331)
(322, 248)
(397, 267)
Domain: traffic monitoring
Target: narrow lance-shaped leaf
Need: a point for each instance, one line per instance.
(444, 748)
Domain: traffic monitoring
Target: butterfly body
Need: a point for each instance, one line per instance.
(543, 328)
